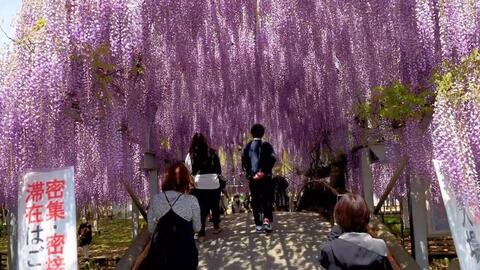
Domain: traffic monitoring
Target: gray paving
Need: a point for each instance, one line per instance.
(294, 244)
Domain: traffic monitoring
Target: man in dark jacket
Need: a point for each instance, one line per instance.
(258, 160)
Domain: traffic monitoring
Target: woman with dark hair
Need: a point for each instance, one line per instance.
(173, 218)
(349, 245)
(204, 164)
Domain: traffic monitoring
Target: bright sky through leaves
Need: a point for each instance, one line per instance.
(8, 11)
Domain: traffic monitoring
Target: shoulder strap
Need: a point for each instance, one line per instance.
(174, 202)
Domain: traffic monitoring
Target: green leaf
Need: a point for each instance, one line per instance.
(39, 24)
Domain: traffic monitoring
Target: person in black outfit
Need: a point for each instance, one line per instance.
(85, 235)
(204, 165)
(247, 202)
(349, 245)
(280, 184)
(237, 205)
(258, 160)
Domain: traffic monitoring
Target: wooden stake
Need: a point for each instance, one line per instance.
(136, 201)
(391, 184)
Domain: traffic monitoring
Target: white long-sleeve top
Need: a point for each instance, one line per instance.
(203, 181)
(186, 207)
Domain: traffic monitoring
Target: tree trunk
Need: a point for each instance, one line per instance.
(338, 172)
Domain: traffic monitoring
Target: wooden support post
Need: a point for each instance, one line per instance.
(402, 226)
(391, 184)
(419, 214)
(366, 176)
(135, 221)
(95, 218)
(410, 215)
(150, 167)
(153, 177)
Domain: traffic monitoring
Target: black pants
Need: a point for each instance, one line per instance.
(209, 200)
(262, 199)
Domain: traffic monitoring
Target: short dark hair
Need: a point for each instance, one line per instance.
(352, 213)
(257, 131)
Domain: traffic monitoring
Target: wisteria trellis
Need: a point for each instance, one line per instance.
(90, 77)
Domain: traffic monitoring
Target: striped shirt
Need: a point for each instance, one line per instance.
(186, 207)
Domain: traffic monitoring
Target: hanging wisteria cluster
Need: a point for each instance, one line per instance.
(456, 125)
(92, 80)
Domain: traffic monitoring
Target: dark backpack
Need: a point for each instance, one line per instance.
(172, 244)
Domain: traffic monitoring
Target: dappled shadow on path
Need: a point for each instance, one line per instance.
(294, 244)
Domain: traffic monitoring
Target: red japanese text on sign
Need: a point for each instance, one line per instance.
(55, 244)
(35, 192)
(56, 263)
(55, 189)
(55, 210)
(34, 213)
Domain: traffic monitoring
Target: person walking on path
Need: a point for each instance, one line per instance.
(281, 200)
(173, 219)
(204, 164)
(349, 245)
(258, 159)
(85, 235)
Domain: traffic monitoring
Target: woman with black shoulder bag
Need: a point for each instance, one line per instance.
(204, 165)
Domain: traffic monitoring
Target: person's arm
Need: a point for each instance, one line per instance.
(326, 253)
(196, 220)
(273, 158)
(335, 232)
(269, 158)
(188, 163)
(245, 158)
(89, 231)
(325, 256)
(218, 166)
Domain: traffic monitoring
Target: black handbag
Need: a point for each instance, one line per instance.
(222, 181)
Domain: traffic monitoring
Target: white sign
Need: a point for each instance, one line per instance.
(47, 235)
(464, 223)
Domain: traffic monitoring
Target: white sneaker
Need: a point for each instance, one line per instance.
(259, 229)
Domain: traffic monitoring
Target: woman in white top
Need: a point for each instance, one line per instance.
(173, 217)
(204, 164)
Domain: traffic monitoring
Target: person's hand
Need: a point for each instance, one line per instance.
(259, 175)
